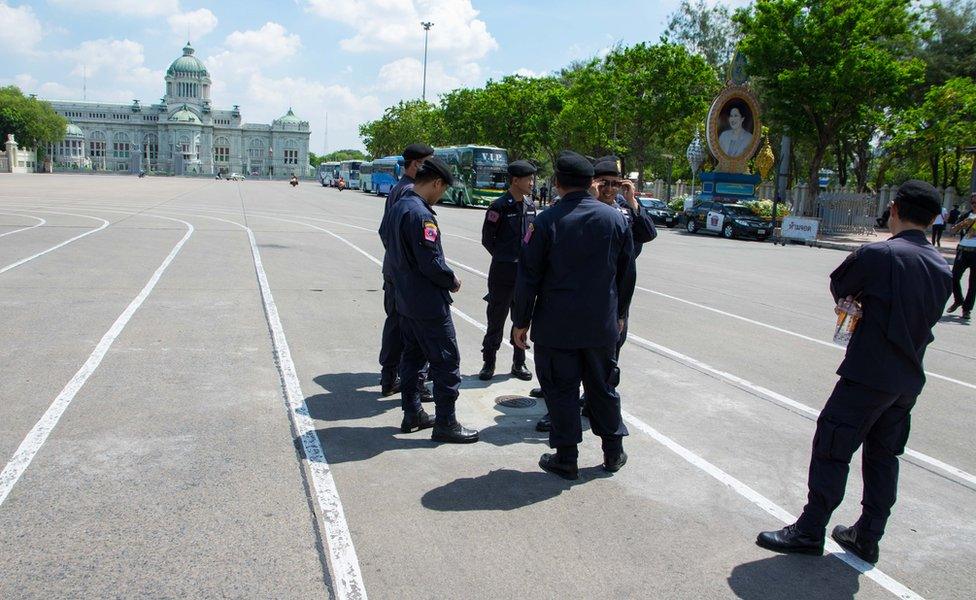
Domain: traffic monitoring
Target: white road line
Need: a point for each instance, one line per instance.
(40, 222)
(347, 579)
(42, 429)
(885, 581)
(62, 244)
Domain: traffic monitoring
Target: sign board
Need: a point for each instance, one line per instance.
(800, 228)
(714, 220)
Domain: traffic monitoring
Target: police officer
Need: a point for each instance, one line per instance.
(902, 285)
(573, 290)
(392, 347)
(423, 283)
(506, 223)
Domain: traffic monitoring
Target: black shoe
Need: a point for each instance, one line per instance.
(953, 307)
(849, 540)
(454, 433)
(388, 389)
(416, 421)
(965, 315)
(520, 372)
(566, 470)
(792, 540)
(487, 371)
(536, 393)
(425, 395)
(544, 424)
(614, 462)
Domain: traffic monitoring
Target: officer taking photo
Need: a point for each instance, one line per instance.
(423, 284)
(573, 289)
(902, 285)
(506, 223)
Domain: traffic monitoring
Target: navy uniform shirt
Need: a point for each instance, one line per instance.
(574, 278)
(396, 192)
(421, 277)
(902, 284)
(641, 224)
(506, 223)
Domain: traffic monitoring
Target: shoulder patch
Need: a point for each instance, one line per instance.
(492, 216)
(430, 231)
(528, 233)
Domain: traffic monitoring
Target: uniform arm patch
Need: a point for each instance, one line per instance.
(430, 231)
(492, 216)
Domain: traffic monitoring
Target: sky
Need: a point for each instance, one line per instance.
(340, 62)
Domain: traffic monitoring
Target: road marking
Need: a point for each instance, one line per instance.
(41, 222)
(715, 472)
(62, 244)
(42, 429)
(347, 578)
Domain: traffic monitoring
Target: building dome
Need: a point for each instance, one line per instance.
(288, 118)
(73, 131)
(184, 115)
(188, 64)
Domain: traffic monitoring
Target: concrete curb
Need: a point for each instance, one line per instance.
(848, 246)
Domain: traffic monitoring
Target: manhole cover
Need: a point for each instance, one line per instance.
(515, 401)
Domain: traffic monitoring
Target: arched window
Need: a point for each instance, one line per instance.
(291, 152)
(120, 145)
(221, 150)
(96, 145)
(150, 147)
(256, 149)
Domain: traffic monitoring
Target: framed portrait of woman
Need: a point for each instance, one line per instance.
(734, 130)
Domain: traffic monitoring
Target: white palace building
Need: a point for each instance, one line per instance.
(181, 135)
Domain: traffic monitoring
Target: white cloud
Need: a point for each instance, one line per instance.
(524, 72)
(21, 29)
(457, 32)
(246, 52)
(131, 8)
(194, 24)
(405, 77)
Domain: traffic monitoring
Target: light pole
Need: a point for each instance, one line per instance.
(426, 25)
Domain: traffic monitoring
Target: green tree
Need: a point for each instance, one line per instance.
(707, 31)
(949, 46)
(405, 123)
(821, 64)
(33, 122)
(347, 154)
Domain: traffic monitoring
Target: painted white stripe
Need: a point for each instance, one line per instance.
(62, 244)
(42, 429)
(347, 579)
(882, 579)
(40, 222)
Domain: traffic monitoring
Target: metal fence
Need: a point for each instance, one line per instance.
(844, 212)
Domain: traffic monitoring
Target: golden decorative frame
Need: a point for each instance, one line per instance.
(726, 163)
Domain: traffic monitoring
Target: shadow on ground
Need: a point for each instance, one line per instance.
(504, 489)
(794, 577)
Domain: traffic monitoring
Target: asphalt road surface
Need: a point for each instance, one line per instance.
(191, 408)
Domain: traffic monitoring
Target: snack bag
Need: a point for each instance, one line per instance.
(848, 316)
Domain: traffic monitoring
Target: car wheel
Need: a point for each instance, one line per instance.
(728, 232)
(691, 225)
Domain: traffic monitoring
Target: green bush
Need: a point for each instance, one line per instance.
(764, 208)
(677, 203)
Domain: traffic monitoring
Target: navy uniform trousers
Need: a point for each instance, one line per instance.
(391, 348)
(432, 341)
(501, 294)
(560, 372)
(854, 415)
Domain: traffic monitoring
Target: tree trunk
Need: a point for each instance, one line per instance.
(934, 167)
(814, 188)
(955, 168)
(840, 155)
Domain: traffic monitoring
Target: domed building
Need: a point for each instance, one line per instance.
(182, 134)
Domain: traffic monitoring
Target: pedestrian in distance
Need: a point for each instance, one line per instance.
(507, 221)
(391, 347)
(423, 284)
(939, 226)
(901, 284)
(965, 260)
(573, 290)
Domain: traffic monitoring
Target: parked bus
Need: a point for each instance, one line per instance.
(328, 174)
(366, 177)
(386, 172)
(480, 173)
(349, 170)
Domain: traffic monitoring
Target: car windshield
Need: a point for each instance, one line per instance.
(739, 211)
(653, 203)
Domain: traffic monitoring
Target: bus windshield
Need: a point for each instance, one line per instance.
(491, 168)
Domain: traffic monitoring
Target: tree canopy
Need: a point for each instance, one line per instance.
(33, 122)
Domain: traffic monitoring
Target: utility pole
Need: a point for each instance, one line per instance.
(426, 25)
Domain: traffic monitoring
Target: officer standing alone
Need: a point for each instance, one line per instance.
(506, 222)
(573, 291)
(423, 283)
(902, 285)
(392, 345)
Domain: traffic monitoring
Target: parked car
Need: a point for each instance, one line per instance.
(235, 177)
(659, 211)
(728, 220)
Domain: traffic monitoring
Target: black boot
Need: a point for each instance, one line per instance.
(488, 370)
(537, 393)
(416, 421)
(565, 468)
(850, 540)
(791, 540)
(614, 461)
(390, 387)
(544, 424)
(425, 395)
(454, 433)
(521, 372)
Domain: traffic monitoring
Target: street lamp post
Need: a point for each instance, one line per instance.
(426, 25)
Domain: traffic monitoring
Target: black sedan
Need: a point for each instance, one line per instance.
(728, 220)
(659, 211)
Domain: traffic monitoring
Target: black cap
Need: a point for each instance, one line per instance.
(415, 151)
(920, 194)
(436, 166)
(521, 168)
(607, 165)
(574, 165)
